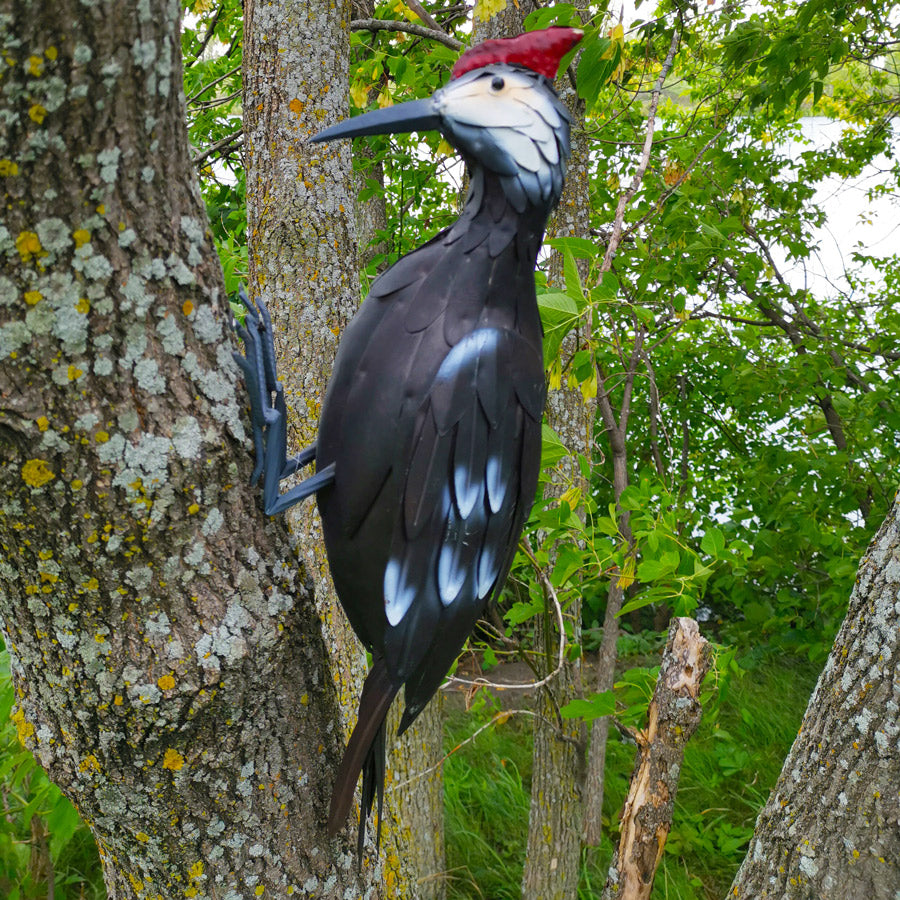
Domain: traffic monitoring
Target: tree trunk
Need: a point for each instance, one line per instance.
(553, 855)
(302, 213)
(831, 828)
(302, 256)
(169, 670)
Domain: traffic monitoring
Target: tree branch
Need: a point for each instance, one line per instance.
(407, 27)
(625, 196)
(223, 144)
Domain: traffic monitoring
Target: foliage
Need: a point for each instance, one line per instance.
(730, 766)
(42, 839)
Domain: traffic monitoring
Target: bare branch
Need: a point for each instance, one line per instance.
(226, 143)
(407, 27)
(423, 14)
(626, 196)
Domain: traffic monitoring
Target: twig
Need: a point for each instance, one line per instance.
(625, 196)
(497, 719)
(528, 685)
(226, 141)
(213, 83)
(407, 27)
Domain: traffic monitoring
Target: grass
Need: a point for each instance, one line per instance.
(730, 766)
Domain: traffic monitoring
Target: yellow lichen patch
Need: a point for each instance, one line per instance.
(43, 423)
(37, 113)
(77, 484)
(36, 472)
(29, 245)
(89, 764)
(74, 373)
(173, 760)
(51, 53)
(81, 237)
(24, 729)
(196, 870)
(117, 700)
(193, 509)
(187, 308)
(101, 437)
(136, 884)
(35, 66)
(295, 106)
(260, 890)
(83, 306)
(32, 298)
(143, 837)
(101, 209)
(8, 168)
(166, 683)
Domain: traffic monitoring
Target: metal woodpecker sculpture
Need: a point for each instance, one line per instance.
(429, 439)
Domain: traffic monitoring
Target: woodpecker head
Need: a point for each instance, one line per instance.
(499, 110)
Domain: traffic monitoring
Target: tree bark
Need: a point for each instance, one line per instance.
(302, 215)
(672, 718)
(169, 670)
(303, 251)
(831, 828)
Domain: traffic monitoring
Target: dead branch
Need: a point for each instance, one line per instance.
(672, 718)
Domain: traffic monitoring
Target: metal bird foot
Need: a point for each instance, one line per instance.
(268, 419)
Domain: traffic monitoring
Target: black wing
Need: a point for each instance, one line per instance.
(470, 482)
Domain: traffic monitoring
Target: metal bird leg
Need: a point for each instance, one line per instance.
(269, 420)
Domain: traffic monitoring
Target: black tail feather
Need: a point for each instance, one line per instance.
(365, 753)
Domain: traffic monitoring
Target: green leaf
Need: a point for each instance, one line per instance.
(552, 448)
(523, 611)
(713, 542)
(557, 307)
(592, 707)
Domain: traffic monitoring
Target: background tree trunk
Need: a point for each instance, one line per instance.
(830, 828)
(161, 635)
(553, 854)
(303, 262)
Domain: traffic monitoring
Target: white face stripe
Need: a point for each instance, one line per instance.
(509, 121)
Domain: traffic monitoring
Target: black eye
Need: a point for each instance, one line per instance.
(497, 83)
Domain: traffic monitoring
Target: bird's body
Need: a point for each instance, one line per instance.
(429, 438)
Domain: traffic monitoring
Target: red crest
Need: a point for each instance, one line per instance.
(540, 51)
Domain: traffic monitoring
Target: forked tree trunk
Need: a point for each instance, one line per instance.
(831, 827)
(168, 665)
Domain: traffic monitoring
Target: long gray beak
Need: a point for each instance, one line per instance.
(415, 115)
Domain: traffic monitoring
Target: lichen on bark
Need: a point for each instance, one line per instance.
(831, 828)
